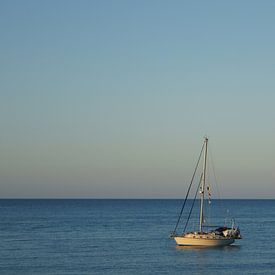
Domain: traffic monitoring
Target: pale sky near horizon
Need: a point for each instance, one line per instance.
(112, 99)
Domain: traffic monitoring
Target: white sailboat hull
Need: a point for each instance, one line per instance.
(202, 241)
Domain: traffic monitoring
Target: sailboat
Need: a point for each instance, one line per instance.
(221, 235)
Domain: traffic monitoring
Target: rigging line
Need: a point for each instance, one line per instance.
(192, 204)
(214, 173)
(187, 194)
(219, 201)
(209, 193)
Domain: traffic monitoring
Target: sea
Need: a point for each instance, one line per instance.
(113, 236)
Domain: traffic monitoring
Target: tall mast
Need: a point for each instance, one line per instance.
(203, 182)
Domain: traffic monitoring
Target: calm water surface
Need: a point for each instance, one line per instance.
(128, 237)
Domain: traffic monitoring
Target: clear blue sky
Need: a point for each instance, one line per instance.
(112, 98)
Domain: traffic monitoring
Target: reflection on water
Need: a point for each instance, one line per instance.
(203, 258)
(204, 248)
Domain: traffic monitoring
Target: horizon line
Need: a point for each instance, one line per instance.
(110, 198)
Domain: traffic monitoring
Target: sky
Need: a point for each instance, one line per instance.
(112, 99)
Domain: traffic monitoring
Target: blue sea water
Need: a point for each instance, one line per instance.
(128, 237)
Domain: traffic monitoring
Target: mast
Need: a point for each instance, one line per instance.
(203, 182)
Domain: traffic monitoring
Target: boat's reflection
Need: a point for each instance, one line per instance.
(198, 248)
